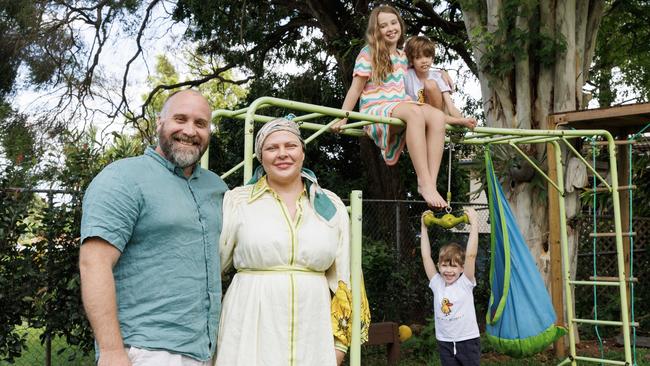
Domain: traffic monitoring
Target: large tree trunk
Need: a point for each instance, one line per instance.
(532, 89)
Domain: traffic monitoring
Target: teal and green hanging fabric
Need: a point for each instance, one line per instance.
(520, 317)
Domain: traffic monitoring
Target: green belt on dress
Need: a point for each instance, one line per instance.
(280, 270)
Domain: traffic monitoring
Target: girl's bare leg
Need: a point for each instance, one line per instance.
(416, 141)
(435, 133)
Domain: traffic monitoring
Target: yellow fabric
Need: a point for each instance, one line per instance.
(342, 314)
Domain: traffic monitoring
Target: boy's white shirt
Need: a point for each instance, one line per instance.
(414, 86)
(455, 322)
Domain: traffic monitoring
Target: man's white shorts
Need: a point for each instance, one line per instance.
(144, 357)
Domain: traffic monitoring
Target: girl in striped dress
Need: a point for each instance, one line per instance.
(378, 85)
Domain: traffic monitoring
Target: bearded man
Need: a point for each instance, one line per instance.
(149, 259)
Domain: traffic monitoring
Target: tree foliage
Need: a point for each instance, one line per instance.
(622, 67)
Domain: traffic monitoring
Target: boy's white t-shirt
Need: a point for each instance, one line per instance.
(453, 307)
(415, 87)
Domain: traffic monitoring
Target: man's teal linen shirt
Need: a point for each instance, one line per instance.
(167, 227)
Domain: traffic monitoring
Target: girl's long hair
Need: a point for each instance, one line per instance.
(381, 63)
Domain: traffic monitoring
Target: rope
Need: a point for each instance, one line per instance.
(451, 149)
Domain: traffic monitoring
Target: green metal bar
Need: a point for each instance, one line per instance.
(249, 139)
(322, 130)
(228, 113)
(263, 118)
(475, 136)
(232, 170)
(493, 140)
(533, 140)
(306, 117)
(539, 170)
(586, 163)
(564, 244)
(599, 322)
(625, 317)
(565, 361)
(318, 127)
(591, 283)
(600, 360)
(356, 201)
(205, 158)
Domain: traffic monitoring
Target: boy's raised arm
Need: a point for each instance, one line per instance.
(425, 249)
(472, 245)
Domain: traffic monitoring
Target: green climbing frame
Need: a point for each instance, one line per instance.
(480, 136)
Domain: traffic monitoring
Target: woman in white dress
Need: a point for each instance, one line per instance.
(289, 303)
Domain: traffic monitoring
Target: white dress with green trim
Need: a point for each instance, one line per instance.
(279, 308)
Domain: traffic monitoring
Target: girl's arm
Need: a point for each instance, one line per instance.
(472, 245)
(425, 249)
(351, 98)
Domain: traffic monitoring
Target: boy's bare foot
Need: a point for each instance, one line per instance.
(432, 197)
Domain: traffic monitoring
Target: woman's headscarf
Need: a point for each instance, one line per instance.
(279, 124)
(317, 198)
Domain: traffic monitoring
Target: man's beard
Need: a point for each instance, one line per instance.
(181, 155)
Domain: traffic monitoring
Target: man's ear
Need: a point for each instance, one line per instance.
(158, 124)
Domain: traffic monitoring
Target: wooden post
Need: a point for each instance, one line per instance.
(386, 333)
(557, 284)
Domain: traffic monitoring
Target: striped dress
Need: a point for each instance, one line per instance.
(381, 99)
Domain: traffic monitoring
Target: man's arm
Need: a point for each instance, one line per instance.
(472, 245)
(96, 260)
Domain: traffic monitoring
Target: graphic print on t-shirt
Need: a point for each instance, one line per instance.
(421, 95)
(446, 306)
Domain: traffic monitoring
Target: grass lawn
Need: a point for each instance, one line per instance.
(61, 353)
(370, 355)
(376, 356)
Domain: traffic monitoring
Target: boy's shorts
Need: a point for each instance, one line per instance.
(463, 353)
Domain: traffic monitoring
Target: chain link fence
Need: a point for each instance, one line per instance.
(395, 280)
(55, 352)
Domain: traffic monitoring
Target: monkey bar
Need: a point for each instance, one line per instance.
(557, 139)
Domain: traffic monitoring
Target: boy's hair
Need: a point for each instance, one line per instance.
(381, 62)
(418, 46)
(451, 253)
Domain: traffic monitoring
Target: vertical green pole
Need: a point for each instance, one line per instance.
(205, 159)
(249, 139)
(355, 274)
(622, 284)
(564, 244)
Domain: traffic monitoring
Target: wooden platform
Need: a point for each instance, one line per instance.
(618, 119)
